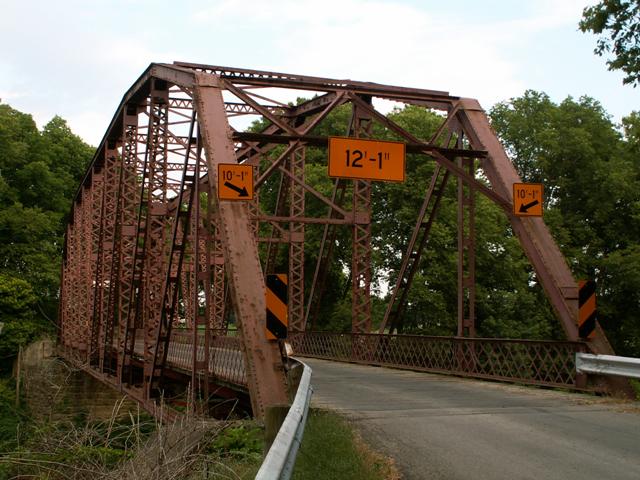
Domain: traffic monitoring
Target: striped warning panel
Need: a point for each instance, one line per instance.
(277, 316)
(587, 312)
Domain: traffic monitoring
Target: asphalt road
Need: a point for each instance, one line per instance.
(439, 427)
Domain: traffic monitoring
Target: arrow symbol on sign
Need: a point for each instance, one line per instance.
(526, 206)
(242, 192)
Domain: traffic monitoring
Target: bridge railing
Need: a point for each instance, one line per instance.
(226, 361)
(549, 363)
(225, 355)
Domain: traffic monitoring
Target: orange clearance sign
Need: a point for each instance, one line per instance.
(366, 159)
(235, 182)
(527, 199)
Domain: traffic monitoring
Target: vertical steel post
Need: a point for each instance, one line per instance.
(155, 231)
(129, 282)
(86, 269)
(110, 342)
(361, 242)
(97, 264)
(103, 285)
(296, 243)
(466, 252)
(216, 259)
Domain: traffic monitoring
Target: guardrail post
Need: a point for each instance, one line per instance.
(274, 416)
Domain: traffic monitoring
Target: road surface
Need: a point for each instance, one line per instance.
(439, 427)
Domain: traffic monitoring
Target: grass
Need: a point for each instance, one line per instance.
(237, 450)
(635, 384)
(332, 450)
(232, 450)
(77, 449)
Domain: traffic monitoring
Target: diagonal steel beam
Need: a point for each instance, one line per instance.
(264, 366)
(238, 92)
(502, 200)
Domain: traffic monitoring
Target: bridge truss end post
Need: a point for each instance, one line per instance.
(265, 372)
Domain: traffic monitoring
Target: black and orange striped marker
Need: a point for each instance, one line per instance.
(277, 316)
(587, 311)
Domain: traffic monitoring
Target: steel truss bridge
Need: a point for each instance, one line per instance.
(155, 265)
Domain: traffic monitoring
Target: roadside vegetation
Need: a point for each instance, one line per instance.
(332, 450)
(135, 446)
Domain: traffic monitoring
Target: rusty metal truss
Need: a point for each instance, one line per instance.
(153, 260)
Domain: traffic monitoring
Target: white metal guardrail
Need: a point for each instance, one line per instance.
(281, 457)
(608, 365)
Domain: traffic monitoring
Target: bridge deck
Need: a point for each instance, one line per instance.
(441, 427)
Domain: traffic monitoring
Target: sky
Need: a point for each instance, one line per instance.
(76, 58)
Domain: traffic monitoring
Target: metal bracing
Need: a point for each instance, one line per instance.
(201, 282)
(296, 243)
(108, 361)
(97, 236)
(361, 258)
(394, 313)
(176, 246)
(128, 203)
(152, 257)
(86, 247)
(154, 243)
(105, 226)
(217, 309)
(324, 257)
(361, 267)
(466, 253)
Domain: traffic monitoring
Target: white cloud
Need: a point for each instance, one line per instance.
(90, 125)
(391, 42)
(77, 58)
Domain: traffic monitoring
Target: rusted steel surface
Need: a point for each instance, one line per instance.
(522, 361)
(466, 252)
(150, 249)
(263, 363)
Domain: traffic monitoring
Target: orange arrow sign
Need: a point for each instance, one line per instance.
(235, 182)
(527, 199)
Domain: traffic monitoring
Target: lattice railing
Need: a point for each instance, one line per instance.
(225, 355)
(526, 361)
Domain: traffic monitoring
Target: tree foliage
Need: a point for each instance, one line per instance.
(617, 22)
(591, 172)
(39, 173)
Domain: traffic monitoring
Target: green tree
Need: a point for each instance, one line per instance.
(20, 327)
(617, 22)
(16, 298)
(591, 174)
(39, 174)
